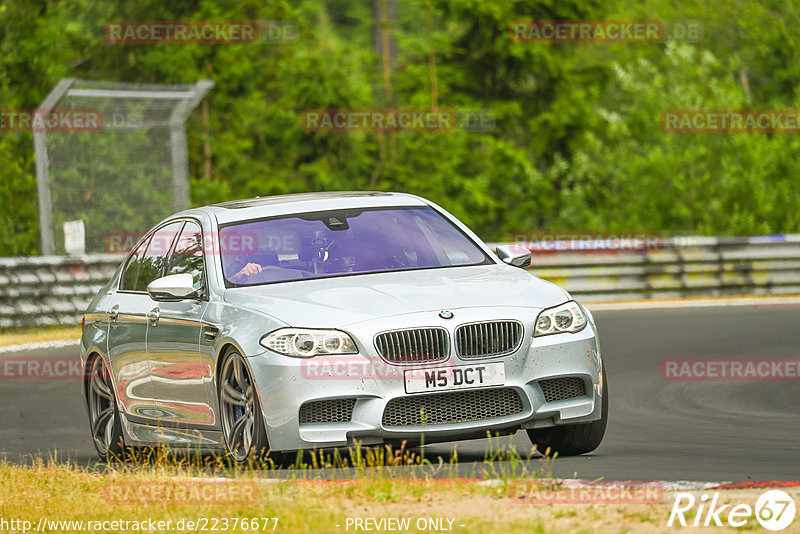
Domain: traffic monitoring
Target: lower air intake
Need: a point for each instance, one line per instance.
(452, 407)
(327, 411)
(556, 389)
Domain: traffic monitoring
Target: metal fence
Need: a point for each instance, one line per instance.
(128, 164)
(56, 290)
(678, 267)
(51, 290)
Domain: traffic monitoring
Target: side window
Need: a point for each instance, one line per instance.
(155, 257)
(188, 255)
(132, 268)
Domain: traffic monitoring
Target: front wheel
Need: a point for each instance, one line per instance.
(571, 440)
(104, 419)
(242, 421)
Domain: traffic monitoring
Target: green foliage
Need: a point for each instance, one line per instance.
(576, 144)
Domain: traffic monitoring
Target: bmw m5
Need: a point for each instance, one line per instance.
(323, 319)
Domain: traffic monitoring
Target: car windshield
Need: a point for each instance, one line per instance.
(342, 242)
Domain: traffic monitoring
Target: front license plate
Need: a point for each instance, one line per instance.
(461, 377)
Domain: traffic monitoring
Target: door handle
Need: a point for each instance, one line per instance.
(210, 333)
(152, 316)
(113, 313)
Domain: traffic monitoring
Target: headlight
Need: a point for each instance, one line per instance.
(568, 317)
(305, 343)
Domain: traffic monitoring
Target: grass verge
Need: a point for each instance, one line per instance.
(32, 335)
(168, 493)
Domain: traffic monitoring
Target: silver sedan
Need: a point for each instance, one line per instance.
(322, 320)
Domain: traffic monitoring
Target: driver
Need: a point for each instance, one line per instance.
(246, 272)
(248, 265)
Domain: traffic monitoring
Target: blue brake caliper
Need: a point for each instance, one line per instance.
(239, 412)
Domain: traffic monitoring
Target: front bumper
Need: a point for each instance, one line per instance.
(284, 384)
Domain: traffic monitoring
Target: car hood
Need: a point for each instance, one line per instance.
(345, 300)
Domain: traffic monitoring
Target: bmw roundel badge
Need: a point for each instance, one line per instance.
(446, 314)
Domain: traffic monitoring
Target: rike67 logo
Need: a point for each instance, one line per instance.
(774, 510)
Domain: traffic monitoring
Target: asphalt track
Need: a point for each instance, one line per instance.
(658, 429)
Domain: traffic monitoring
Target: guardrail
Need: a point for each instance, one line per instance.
(51, 290)
(37, 291)
(671, 268)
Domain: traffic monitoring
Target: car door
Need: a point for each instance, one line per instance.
(181, 376)
(126, 339)
(128, 324)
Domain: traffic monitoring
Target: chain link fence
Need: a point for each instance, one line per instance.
(121, 173)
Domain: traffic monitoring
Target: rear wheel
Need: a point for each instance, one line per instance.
(570, 440)
(242, 421)
(104, 419)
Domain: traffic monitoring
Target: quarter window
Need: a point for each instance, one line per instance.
(155, 258)
(188, 255)
(132, 268)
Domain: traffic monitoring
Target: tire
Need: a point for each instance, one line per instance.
(104, 420)
(240, 412)
(571, 440)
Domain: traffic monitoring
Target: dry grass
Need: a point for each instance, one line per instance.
(30, 335)
(164, 487)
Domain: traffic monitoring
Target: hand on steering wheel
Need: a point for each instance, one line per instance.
(247, 271)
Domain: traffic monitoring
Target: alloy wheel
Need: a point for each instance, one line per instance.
(102, 408)
(238, 406)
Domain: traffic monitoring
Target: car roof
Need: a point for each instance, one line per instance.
(258, 207)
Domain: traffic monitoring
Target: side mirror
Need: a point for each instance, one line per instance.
(172, 287)
(515, 255)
